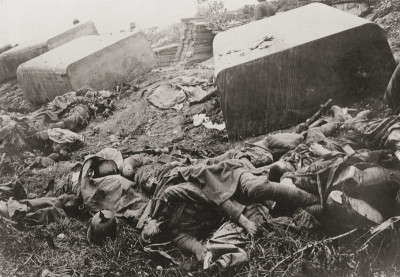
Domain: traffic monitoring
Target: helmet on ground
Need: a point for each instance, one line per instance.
(102, 225)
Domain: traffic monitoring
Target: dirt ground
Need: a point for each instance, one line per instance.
(139, 124)
(12, 99)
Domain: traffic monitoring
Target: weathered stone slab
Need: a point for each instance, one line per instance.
(5, 47)
(276, 72)
(101, 62)
(11, 59)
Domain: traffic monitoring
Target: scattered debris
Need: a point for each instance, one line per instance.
(199, 119)
(173, 94)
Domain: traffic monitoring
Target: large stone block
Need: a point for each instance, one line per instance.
(11, 59)
(101, 62)
(5, 47)
(276, 72)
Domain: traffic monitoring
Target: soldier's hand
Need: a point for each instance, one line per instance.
(250, 226)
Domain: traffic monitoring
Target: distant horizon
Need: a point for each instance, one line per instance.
(29, 21)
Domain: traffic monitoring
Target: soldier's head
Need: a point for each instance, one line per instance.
(130, 167)
(151, 230)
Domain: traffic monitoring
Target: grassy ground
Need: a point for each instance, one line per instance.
(282, 252)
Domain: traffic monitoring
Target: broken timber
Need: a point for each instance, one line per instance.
(196, 42)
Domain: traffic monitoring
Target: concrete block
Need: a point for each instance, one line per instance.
(84, 29)
(11, 59)
(101, 62)
(275, 72)
(5, 47)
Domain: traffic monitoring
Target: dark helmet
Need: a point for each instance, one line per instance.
(102, 225)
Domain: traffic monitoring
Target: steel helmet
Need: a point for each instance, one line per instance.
(102, 225)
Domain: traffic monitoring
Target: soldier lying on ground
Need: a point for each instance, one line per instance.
(317, 143)
(257, 155)
(235, 179)
(377, 133)
(371, 176)
(189, 225)
(190, 216)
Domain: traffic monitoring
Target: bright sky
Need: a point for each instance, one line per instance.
(36, 20)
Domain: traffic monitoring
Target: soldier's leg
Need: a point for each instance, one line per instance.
(190, 244)
(259, 189)
(226, 247)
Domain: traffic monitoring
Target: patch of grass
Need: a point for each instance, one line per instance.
(282, 252)
(27, 253)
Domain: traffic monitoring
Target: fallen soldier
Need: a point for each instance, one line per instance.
(190, 216)
(14, 205)
(71, 111)
(377, 133)
(189, 223)
(219, 182)
(256, 154)
(362, 175)
(226, 247)
(229, 181)
(152, 179)
(299, 151)
(235, 179)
